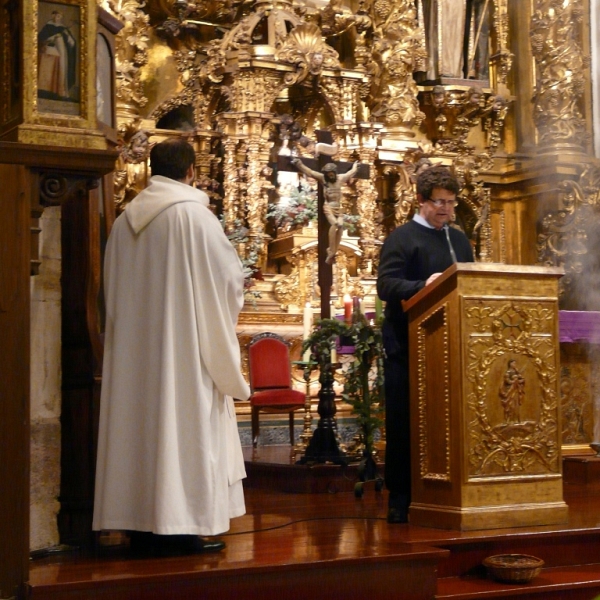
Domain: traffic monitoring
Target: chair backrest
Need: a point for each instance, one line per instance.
(269, 362)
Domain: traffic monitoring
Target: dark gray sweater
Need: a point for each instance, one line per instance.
(410, 254)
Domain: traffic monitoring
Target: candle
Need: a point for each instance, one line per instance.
(333, 354)
(347, 308)
(307, 323)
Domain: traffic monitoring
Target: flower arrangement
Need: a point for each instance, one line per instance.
(300, 209)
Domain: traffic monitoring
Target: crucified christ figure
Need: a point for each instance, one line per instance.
(332, 206)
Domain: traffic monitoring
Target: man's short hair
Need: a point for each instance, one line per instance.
(172, 158)
(436, 177)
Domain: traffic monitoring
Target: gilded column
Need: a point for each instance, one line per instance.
(131, 55)
(256, 198)
(231, 186)
(398, 45)
(501, 59)
(560, 81)
(367, 204)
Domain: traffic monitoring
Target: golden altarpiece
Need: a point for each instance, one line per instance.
(250, 82)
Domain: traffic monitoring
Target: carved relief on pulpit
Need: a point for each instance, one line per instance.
(512, 393)
(511, 376)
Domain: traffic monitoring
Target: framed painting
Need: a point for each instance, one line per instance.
(59, 58)
(59, 75)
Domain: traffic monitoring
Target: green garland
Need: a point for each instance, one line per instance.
(363, 385)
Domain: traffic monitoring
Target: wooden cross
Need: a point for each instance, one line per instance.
(325, 270)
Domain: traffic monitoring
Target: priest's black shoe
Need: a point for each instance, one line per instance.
(197, 545)
(146, 544)
(397, 515)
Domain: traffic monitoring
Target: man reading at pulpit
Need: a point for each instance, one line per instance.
(170, 464)
(413, 256)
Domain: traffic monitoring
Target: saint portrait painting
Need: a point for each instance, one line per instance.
(58, 57)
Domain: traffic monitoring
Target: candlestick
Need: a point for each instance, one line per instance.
(347, 308)
(307, 323)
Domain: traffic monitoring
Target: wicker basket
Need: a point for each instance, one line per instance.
(513, 568)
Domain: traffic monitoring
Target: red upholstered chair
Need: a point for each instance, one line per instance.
(270, 380)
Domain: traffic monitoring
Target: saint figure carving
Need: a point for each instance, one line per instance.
(512, 393)
(131, 173)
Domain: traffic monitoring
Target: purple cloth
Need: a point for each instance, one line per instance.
(579, 326)
(350, 349)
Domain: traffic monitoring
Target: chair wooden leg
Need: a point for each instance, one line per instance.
(255, 426)
(292, 427)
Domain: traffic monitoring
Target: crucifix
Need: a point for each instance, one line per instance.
(331, 176)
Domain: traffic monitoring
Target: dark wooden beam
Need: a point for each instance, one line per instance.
(23, 170)
(15, 201)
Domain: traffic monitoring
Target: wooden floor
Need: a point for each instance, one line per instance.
(333, 545)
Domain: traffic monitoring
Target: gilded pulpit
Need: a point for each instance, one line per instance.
(485, 409)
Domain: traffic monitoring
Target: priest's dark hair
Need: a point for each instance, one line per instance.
(172, 158)
(437, 176)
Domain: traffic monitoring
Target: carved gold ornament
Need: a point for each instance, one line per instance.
(305, 48)
(511, 341)
(560, 64)
(568, 236)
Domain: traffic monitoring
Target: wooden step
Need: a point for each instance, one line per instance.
(577, 582)
(335, 545)
(297, 576)
(559, 548)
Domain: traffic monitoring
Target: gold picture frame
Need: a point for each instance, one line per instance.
(58, 68)
(59, 79)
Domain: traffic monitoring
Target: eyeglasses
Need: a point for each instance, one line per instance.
(440, 203)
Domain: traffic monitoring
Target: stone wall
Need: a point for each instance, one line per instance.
(46, 385)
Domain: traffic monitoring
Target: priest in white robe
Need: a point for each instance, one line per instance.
(169, 454)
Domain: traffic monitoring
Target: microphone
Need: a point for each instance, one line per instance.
(452, 253)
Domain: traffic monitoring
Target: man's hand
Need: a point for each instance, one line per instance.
(432, 278)
(295, 161)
